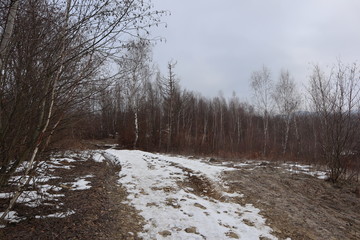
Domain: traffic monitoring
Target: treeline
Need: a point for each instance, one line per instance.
(145, 109)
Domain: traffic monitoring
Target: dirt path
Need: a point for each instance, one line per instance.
(298, 205)
(182, 198)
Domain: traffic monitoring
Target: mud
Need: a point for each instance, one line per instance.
(298, 206)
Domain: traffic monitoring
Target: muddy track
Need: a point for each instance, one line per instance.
(298, 205)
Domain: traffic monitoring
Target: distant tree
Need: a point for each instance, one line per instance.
(262, 86)
(170, 91)
(134, 74)
(287, 101)
(219, 106)
(204, 105)
(236, 115)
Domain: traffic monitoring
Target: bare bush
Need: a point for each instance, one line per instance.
(336, 99)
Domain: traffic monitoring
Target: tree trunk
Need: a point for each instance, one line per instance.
(8, 30)
(266, 125)
(5, 40)
(136, 124)
(286, 137)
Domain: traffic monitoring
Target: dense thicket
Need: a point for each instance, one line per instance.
(52, 58)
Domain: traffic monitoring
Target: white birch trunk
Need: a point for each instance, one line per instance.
(8, 30)
(5, 38)
(286, 137)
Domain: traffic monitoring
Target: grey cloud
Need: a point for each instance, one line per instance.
(222, 42)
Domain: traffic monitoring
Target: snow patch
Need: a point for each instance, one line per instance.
(306, 169)
(57, 215)
(98, 157)
(12, 217)
(39, 192)
(81, 183)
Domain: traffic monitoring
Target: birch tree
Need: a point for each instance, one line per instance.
(261, 84)
(135, 73)
(287, 101)
(8, 29)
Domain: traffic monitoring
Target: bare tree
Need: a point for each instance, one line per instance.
(335, 99)
(135, 73)
(287, 100)
(170, 91)
(262, 85)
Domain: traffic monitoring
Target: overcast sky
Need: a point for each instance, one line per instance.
(219, 43)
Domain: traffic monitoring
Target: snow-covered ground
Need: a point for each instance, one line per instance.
(173, 210)
(295, 168)
(306, 169)
(41, 191)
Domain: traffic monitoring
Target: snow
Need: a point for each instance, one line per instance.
(12, 217)
(306, 169)
(58, 165)
(39, 191)
(110, 158)
(62, 159)
(81, 183)
(5, 195)
(60, 162)
(294, 168)
(97, 156)
(232, 195)
(246, 164)
(36, 198)
(57, 215)
(154, 183)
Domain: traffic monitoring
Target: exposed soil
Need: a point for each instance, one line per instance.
(99, 211)
(299, 206)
